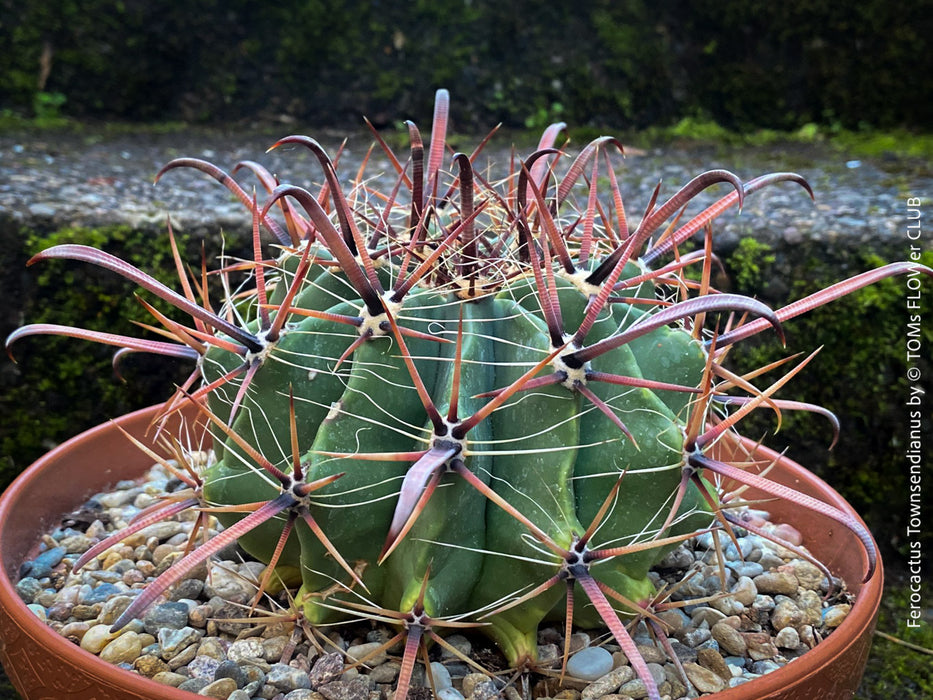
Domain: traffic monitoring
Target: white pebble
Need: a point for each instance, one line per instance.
(787, 638)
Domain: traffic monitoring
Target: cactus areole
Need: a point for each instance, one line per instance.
(466, 401)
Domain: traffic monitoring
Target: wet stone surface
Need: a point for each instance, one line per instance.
(57, 180)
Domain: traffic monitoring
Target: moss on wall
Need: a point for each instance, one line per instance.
(61, 386)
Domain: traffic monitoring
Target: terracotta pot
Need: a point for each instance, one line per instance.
(41, 664)
(45, 666)
(834, 668)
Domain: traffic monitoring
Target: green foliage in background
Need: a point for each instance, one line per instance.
(606, 63)
(45, 397)
(894, 670)
(747, 261)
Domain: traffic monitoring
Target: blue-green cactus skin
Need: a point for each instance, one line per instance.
(548, 452)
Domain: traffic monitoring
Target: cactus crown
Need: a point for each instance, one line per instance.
(440, 401)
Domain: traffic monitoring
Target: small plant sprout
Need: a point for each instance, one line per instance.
(466, 399)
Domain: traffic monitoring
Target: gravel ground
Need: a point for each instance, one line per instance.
(771, 611)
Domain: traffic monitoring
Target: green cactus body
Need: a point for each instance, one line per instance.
(358, 423)
(669, 355)
(263, 421)
(536, 435)
(359, 399)
(545, 452)
(448, 537)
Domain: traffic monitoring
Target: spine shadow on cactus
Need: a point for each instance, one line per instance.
(446, 405)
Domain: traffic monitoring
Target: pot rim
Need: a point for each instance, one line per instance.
(860, 619)
(30, 624)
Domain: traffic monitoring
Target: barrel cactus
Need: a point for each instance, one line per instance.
(450, 402)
